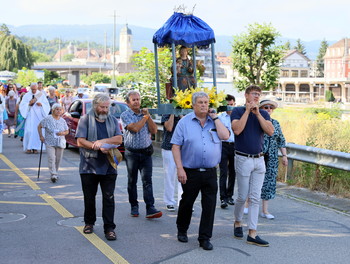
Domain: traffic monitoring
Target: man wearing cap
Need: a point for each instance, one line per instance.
(197, 151)
(34, 107)
(80, 95)
(249, 125)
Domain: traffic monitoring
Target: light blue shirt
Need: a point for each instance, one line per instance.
(226, 120)
(200, 146)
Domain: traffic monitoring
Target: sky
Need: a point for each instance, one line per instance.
(304, 19)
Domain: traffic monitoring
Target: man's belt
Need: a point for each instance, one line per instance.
(201, 169)
(249, 155)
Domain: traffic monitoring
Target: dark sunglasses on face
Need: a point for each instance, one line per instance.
(269, 107)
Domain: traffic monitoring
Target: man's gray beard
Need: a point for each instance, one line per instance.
(102, 117)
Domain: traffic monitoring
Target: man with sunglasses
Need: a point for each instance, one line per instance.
(197, 151)
(249, 124)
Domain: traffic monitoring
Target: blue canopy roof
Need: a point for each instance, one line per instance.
(186, 30)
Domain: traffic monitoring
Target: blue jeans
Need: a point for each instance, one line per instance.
(136, 162)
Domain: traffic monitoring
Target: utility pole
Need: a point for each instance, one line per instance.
(113, 82)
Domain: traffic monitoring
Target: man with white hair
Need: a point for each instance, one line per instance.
(34, 108)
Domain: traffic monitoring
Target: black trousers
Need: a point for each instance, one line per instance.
(89, 184)
(227, 163)
(206, 182)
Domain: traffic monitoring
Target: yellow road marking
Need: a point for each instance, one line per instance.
(13, 183)
(103, 247)
(6, 170)
(106, 250)
(56, 205)
(24, 177)
(31, 203)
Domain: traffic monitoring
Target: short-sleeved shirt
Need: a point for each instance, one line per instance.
(225, 118)
(135, 140)
(99, 165)
(168, 134)
(251, 139)
(52, 127)
(200, 146)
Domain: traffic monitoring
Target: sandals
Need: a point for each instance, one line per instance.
(88, 229)
(28, 152)
(110, 235)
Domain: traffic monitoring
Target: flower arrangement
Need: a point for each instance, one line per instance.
(183, 99)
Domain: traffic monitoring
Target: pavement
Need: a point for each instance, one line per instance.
(41, 222)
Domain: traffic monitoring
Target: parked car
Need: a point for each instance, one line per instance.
(82, 106)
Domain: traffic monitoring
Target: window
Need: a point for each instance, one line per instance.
(303, 73)
(285, 73)
(294, 73)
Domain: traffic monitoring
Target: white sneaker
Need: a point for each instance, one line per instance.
(54, 178)
(246, 210)
(267, 216)
(170, 208)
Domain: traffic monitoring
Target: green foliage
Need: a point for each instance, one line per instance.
(300, 47)
(320, 60)
(256, 57)
(26, 77)
(14, 54)
(329, 96)
(96, 77)
(40, 57)
(329, 112)
(51, 78)
(68, 57)
(287, 45)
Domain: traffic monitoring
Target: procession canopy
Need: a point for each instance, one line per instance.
(185, 30)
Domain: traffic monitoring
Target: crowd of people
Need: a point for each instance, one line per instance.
(242, 141)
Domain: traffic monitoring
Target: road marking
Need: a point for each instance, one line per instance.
(13, 183)
(109, 252)
(105, 249)
(56, 205)
(31, 203)
(24, 177)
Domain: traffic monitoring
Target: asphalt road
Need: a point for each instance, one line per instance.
(41, 222)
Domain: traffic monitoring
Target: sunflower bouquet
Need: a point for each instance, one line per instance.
(183, 99)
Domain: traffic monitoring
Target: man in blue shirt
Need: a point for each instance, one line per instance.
(197, 151)
(138, 127)
(249, 125)
(95, 129)
(227, 163)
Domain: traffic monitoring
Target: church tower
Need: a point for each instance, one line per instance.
(125, 50)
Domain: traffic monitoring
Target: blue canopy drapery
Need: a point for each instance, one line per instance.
(186, 30)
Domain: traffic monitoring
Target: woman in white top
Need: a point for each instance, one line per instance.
(67, 100)
(55, 130)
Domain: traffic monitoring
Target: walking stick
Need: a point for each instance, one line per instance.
(41, 152)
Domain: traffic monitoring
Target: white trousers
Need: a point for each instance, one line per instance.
(54, 156)
(250, 173)
(170, 179)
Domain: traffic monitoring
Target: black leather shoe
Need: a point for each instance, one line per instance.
(206, 245)
(238, 232)
(257, 241)
(223, 204)
(182, 237)
(230, 201)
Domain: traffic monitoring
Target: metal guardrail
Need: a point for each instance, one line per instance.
(318, 156)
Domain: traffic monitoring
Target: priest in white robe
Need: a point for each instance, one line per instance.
(34, 108)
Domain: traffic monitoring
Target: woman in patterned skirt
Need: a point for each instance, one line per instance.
(271, 146)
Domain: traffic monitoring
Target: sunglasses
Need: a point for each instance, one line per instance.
(269, 107)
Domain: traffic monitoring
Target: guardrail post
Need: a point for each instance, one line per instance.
(289, 171)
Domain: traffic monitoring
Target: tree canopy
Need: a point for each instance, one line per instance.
(256, 56)
(14, 54)
(320, 60)
(300, 47)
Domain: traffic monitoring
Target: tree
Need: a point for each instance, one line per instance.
(256, 57)
(14, 54)
(300, 47)
(40, 57)
(287, 45)
(320, 61)
(96, 77)
(68, 57)
(51, 77)
(26, 77)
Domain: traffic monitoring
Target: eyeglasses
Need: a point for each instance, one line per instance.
(256, 94)
(269, 107)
